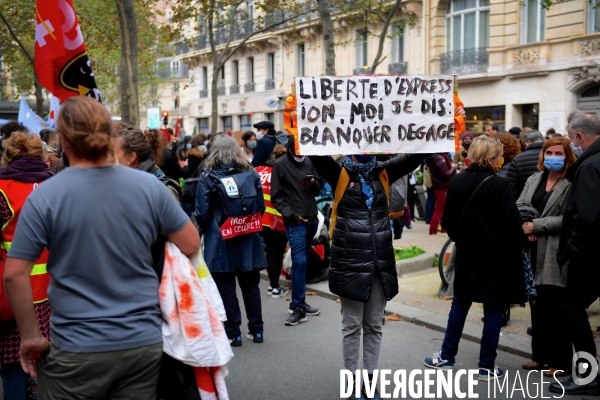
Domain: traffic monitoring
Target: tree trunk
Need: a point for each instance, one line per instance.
(328, 36)
(214, 97)
(378, 59)
(128, 66)
(39, 97)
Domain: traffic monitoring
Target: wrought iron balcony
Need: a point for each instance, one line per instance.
(398, 68)
(359, 71)
(234, 89)
(249, 87)
(270, 84)
(203, 93)
(468, 61)
(203, 42)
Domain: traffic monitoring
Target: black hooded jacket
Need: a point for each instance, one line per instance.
(580, 232)
(522, 167)
(362, 239)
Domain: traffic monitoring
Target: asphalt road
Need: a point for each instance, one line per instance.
(304, 361)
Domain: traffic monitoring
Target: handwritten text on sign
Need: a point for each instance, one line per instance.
(236, 226)
(385, 114)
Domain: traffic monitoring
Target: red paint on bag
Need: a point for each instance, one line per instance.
(187, 300)
(192, 332)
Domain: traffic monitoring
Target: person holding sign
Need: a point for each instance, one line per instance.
(229, 205)
(363, 266)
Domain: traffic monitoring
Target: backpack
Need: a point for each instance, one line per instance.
(173, 186)
(398, 198)
(238, 194)
(340, 189)
(427, 177)
(190, 187)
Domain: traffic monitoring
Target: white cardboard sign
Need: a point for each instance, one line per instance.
(375, 114)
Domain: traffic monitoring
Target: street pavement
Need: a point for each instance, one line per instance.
(304, 361)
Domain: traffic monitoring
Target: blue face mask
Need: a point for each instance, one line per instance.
(188, 146)
(554, 163)
(363, 158)
(251, 145)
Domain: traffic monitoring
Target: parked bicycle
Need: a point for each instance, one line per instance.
(446, 263)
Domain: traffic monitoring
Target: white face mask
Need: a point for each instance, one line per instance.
(259, 135)
(299, 159)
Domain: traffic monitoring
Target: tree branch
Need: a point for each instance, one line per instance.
(378, 14)
(14, 35)
(378, 60)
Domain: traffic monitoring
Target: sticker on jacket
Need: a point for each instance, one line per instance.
(230, 186)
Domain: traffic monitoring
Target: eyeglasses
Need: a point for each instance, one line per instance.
(498, 140)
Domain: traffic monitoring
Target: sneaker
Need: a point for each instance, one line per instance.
(437, 362)
(297, 317)
(236, 341)
(269, 289)
(312, 311)
(488, 375)
(278, 292)
(255, 337)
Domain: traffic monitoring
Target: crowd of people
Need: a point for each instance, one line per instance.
(72, 319)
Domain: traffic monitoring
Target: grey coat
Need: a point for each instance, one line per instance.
(547, 229)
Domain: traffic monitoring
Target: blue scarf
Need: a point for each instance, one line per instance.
(364, 173)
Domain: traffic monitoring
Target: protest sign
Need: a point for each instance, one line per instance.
(375, 114)
(236, 226)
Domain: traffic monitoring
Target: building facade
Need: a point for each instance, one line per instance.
(518, 64)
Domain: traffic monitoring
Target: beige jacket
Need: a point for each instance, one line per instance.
(547, 229)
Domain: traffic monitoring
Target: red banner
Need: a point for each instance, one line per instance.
(236, 226)
(61, 59)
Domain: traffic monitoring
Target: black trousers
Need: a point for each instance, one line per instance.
(275, 244)
(582, 290)
(248, 282)
(550, 343)
(398, 224)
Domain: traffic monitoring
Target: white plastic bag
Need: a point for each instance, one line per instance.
(192, 328)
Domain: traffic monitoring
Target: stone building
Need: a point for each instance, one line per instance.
(518, 64)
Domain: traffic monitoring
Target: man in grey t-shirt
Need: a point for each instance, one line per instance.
(99, 224)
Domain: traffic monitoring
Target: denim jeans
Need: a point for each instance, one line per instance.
(430, 204)
(492, 323)
(300, 237)
(14, 381)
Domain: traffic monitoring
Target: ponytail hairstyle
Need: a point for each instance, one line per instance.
(86, 127)
(147, 145)
(22, 145)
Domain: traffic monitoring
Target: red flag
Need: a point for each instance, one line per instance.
(61, 59)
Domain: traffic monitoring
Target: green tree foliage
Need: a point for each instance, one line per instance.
(100, 28)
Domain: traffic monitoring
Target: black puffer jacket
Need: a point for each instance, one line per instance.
(362, 238)
(522, 167)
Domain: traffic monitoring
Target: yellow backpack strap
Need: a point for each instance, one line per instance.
(340, 189)
(385, 181)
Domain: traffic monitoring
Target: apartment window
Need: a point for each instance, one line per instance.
(176, 104)
(300, 60)
(227, 124)
(235, 72)
(362, 49)
(594, 16)
(170, 16)
(175, 87)
(250, 70)
(203, 125)
(245, 122)
(533, 22)
(398, 38)
(204, 78)
(467, 24)
(175, 66)
(271, 66)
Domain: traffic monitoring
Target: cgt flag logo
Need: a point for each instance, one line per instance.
(61, 59)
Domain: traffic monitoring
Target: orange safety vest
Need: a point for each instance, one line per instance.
(264, 173)
(15, 194)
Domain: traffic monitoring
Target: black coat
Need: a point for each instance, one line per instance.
(362, 238)
(580, 234)
(441, 170)
(489, 238)
(170, 165)
(264, 149)
(522, 167)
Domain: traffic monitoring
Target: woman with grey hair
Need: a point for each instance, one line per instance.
(230, 187)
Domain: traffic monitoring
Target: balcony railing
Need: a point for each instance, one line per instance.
(203, 93)
(182, 48)
(398, 68)
(468, 61)
(234, 89)
(249, 87)
(358, 71)
(270, 84)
